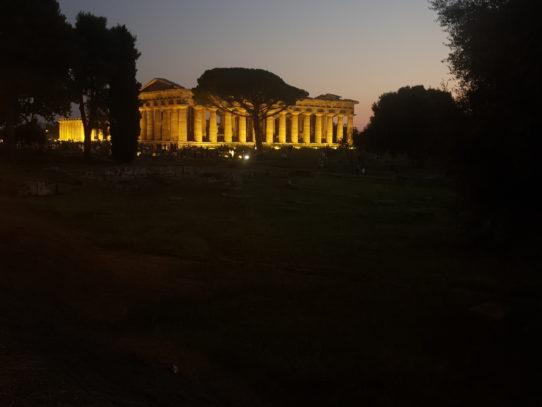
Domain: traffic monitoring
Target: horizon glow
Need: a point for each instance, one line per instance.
(358, 49)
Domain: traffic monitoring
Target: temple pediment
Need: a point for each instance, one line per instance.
(160, 84)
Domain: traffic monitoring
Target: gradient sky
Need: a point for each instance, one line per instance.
(358, 49)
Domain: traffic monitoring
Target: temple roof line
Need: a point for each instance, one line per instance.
(161, 84)
(158, 84)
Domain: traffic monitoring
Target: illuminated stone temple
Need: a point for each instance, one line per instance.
(169, 117)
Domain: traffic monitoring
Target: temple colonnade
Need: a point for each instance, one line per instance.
(201, 125)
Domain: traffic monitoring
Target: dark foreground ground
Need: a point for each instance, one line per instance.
(207, 283)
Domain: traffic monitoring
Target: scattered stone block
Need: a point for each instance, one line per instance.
(39, 188)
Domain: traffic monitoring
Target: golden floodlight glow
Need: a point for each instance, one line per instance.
(170, 117)
(72, 130)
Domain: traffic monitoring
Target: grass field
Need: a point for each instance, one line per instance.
(270, 283)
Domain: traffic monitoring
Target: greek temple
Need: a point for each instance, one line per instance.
(169, 117)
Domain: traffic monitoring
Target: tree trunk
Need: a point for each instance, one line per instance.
(87, 129)
(258, 136)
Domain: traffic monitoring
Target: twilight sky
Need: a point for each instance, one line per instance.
(358, 49)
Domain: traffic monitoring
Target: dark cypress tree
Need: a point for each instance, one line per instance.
(123, 95)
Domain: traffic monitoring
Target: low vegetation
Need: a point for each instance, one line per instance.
(275, 282)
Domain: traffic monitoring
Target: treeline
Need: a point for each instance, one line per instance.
(420, 123)
(47, 65)
(491, 135)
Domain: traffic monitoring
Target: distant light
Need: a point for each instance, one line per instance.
(246, 157)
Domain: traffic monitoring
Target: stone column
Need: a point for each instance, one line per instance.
(295, 127)
(149, 133)
(157, 125)
(228, 133)
(282, 127)
(350, 129)
(213, 128)
(204, 119)
(318, 129)
(166, 125)
(183, 124)
(270, 130)
(198, 124)
(306, 128)
(340, 125)
(242, 129)
(329, 132)
(175, 125)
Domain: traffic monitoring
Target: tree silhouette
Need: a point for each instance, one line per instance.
(34, 39)
(123, 101)
(30, 133)
(253, 93)
(496, 55)
(90, 72)
(421, 123)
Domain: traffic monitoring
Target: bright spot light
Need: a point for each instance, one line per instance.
(246, 157)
